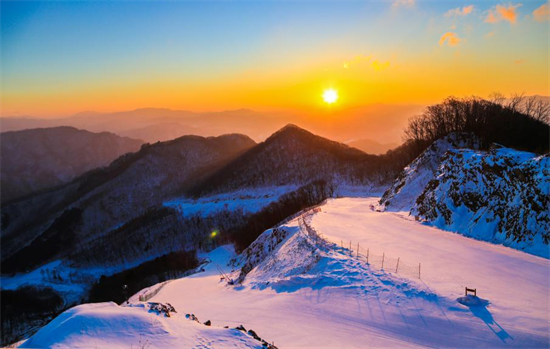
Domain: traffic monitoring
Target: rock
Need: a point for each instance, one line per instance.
(208, 323)
(240, 328)
(253, 334)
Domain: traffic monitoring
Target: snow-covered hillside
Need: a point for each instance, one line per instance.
(413, 179)
(300, 285)
(501, 195)
(107, 325)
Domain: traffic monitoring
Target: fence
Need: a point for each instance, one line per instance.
(382, 261)
(376, 261)
(148, 295)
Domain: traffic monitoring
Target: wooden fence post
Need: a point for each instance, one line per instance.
(419, 270)
(397, 268)
(383, 254)
(350, 250)
(357, 250)
(367, 256)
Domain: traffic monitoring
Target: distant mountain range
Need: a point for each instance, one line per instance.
(372, 147)
(379, 122)
(104, 203)
(36, 159)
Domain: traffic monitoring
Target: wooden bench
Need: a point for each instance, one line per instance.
(471, 290)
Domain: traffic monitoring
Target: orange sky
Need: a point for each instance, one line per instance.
(267, 56)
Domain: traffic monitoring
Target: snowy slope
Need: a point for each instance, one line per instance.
(107, 325)
(502, 196)
(413, 179)
(301, 293)
(300, 288)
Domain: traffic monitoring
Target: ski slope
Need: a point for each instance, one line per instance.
(341, 302)
(303, 293)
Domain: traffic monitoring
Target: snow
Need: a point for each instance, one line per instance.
(107, 325)
(306, 292)
(247, 200)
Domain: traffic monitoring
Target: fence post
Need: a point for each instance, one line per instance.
(357, 250)
(342, 244)
(419, 270)
(350, 250)
(383, 254)
(367, 256)
(397, 268)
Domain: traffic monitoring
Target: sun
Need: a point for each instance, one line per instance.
(330, 95)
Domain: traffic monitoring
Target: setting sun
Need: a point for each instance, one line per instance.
(330, 96)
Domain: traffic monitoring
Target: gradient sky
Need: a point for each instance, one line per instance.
(59, 58)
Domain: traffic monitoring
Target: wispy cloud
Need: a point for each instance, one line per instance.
(519, 61)
(466, 10)
(450, 38)
(403, 3)
(542, 13)
(361, 59)
(503, 12)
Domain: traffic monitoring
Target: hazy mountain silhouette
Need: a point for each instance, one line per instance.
(372, 147)
(108, 197)
(40, 158)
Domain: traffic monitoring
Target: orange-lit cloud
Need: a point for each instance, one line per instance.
(403, 3)
(460, 11)
(542, 13)
(503, 12)
(489, 35)
(451, 38)
(519, 61)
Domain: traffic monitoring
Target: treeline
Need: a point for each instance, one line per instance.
(520, 123)
(289, 204)
(169, 266)
(26, 309)
(55, 241)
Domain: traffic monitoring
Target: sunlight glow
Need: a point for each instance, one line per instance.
(330, 96)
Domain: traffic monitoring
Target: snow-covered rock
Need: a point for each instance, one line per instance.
(500, 196)
(414, 178)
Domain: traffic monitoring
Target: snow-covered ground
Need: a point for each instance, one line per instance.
(306, 293)
(247, 200)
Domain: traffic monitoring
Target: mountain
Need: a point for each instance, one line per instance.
(500, 195)
(102, 200)
(372, 147)
(294, 156)
(380, 122)
(160, 132)
(301, 287)
(36, 159)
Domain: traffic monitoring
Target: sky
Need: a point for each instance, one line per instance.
(61, 58)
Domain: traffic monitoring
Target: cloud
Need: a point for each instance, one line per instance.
(519, 61)
(489, 35)
(466, 10)
(503, 12)
(542, 13)
(451, 38)
(403, 3)
(368, 60)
